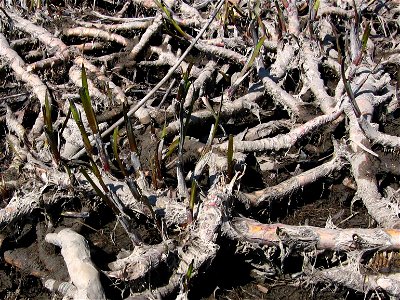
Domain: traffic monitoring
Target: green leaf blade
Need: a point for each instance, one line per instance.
(115, 151)
(87, 103)
(76, 116)
(230, 157)
(365, 36)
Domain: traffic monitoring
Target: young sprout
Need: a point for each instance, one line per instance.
(156, 173)
(135, 190)
(358, 59)
(281, 20)
(132, 141)
(230, 157)
(51, 135)
(107, 195)
(116, 155)
(346, 83)
(78, 120)
(184, 119)
(349, 91)
(129, 130)
(316, 6)
(170, 18)
(110, 199)
(188, 275)
(312, 15)
(244, 72)
(91, 117)
(214, 127)
(365, 36)
(98, 190)
(172, 148)
(193, 195)
(184, 125)
(87, 103)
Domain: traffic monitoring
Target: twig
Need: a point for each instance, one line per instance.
(13, 96)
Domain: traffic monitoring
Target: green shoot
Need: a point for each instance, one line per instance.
(193, 195)
(281, 20)
(78, 120)
(239, 10)
(172, 148)
(183, 126)
(230, 157)
(164, 131)
(97, 189)
(131, 184)
(229, 16)
(190, 270)
(115, 151)
(365, 36)
(349, 91)
(97, 173)
(157, 166)
(111, 200)
(153, 175)
(91, 117)
(244, 72)
(47, 113)
(137, 194)
(186, 84)
(216, 124)
(188, 275)
(356, 15)
(87, 103)
(109, 197)
(225, 14)
(129, 130)
(71, 176)
(312, 14)
(186, 76)
(187, 120)
(135, 161)
(35, 5)
(13, 149)
(316, 6)
(182, 91)
(170, 18)
(64, 125)
(51, 135)
(217, 117)
(153, 167)
(256, 52)
(224, 75)
(358, 59)
(257, 8)
(182, 130)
